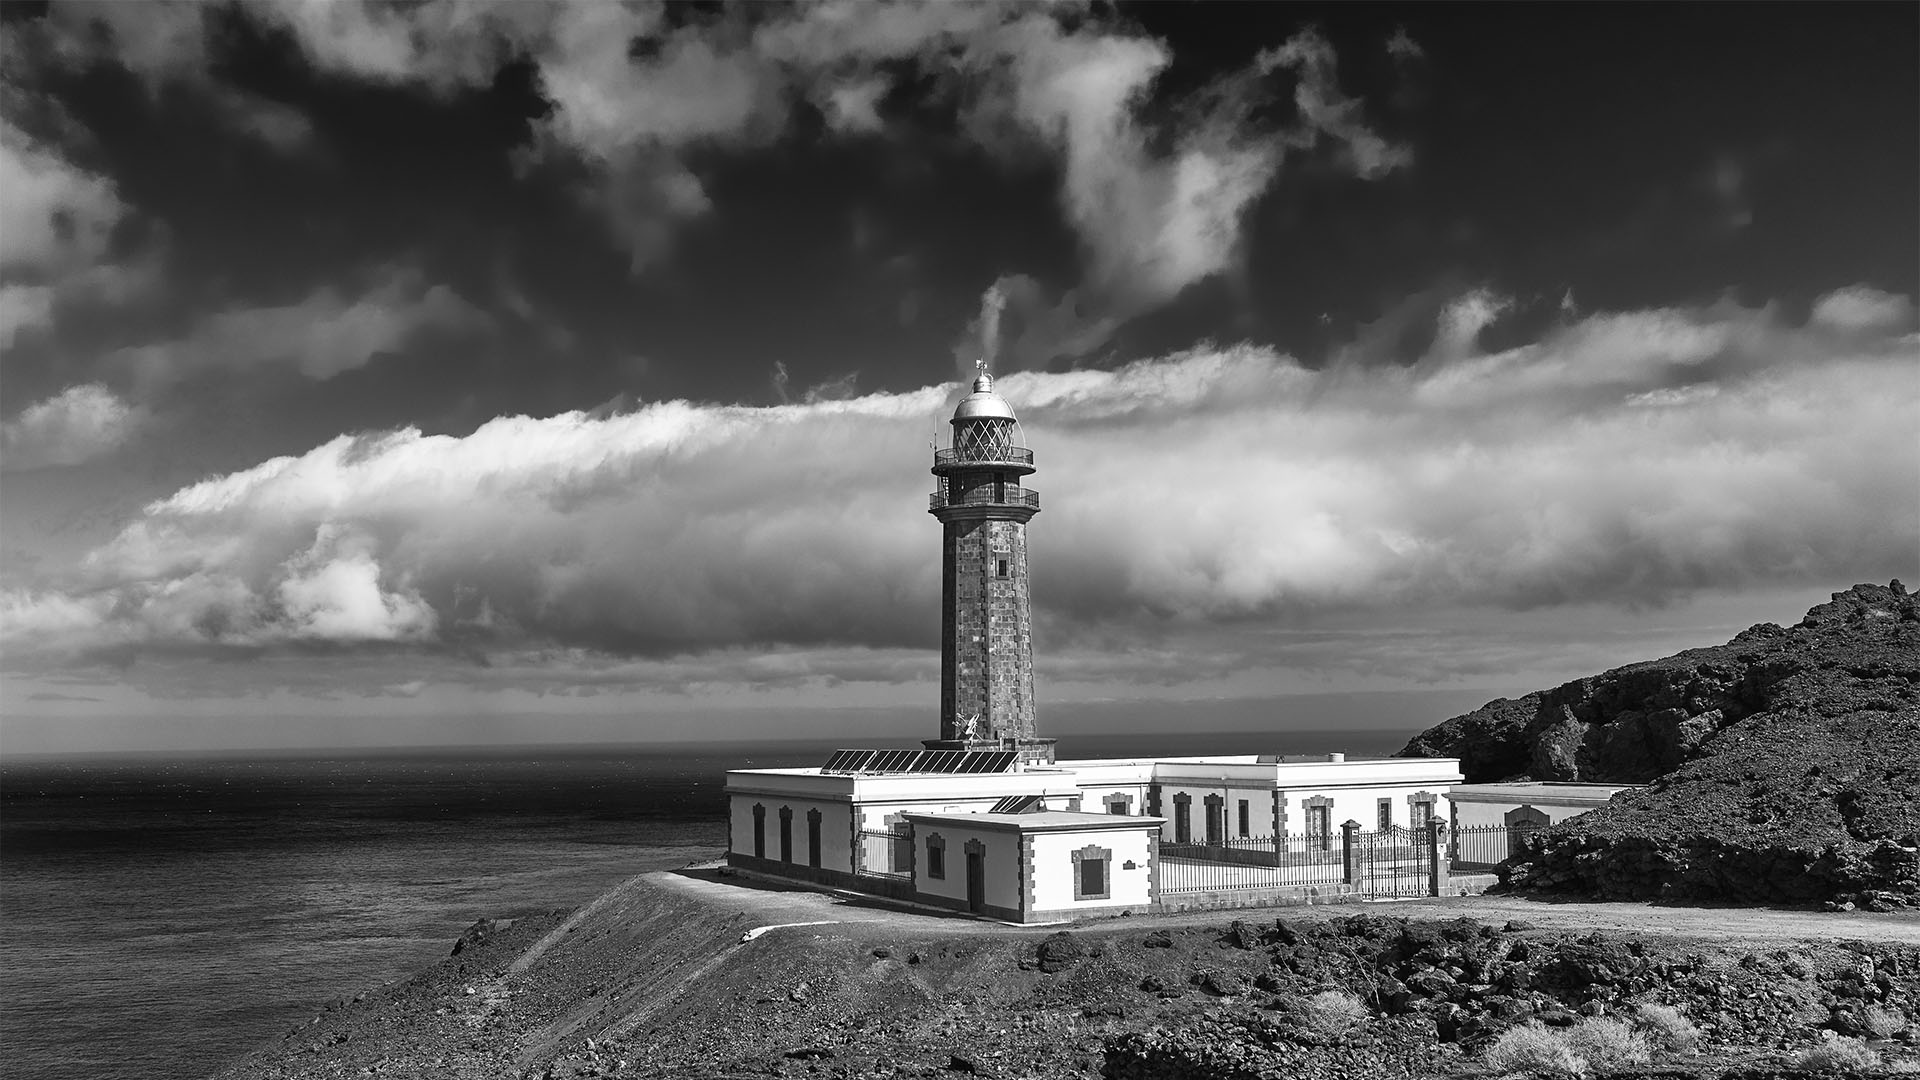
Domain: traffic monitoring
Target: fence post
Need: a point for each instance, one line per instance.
(1349, 848)
(1433, 856)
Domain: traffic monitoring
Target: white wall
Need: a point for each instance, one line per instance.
(1476, 813)
(1053, 868)
(1093, 798)
(874, 815)
(1003, 863)
(1259, 809)
(1361, 804)
(835, 829)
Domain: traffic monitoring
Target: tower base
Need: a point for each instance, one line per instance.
(1031, 751)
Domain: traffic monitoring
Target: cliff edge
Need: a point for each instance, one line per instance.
(1783, 766)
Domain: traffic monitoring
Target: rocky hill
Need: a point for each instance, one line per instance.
(696, 977)
(1783, 766)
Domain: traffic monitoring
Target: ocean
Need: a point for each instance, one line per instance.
(160, 916)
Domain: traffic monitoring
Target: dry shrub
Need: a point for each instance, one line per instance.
(1839, 1055)
(1534, 1050)
(1904, 1067)
(1330, 1013)
(1607, 1044)
(1882, 1023)
(1668, 1027)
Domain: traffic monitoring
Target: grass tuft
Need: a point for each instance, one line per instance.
(1668, 1028)
(1535, 1050)
(1606, 1044)
(1839, 1055)
(1882, 1023)
(1331, 1013)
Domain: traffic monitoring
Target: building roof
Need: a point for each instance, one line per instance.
(1039, 821)
(983, 403)
(1538, 791)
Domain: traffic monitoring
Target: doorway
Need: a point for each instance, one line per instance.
(976, 881)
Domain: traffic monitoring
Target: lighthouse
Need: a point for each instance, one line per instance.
(986, 635)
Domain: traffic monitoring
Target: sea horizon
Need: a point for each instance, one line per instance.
(168, 912)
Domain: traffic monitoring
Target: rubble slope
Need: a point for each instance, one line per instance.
(1783, 766)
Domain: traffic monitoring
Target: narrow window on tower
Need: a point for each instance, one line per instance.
(1003, 568)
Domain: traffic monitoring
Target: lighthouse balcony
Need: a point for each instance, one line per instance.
(986, 495)
(972, 456)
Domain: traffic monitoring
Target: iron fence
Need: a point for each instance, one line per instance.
(1399, 862)
(885, 853)
(1393, 862)
(1478, 849)
(1258, 863)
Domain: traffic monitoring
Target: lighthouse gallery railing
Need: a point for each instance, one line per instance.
(986, 495)
(988, 455)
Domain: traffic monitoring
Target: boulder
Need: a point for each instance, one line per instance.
(481, 932)
(1059, 952)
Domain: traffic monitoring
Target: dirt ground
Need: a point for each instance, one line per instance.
(771, 904)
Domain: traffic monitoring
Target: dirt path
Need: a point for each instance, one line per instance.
(769, 904)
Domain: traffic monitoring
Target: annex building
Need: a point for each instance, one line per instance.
(985, 818)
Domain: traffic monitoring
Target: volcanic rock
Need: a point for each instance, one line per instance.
(1782, 767)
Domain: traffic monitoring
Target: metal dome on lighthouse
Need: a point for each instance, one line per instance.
(986, 649)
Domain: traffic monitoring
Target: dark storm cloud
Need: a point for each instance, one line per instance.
(636, 96)
(1629, 457)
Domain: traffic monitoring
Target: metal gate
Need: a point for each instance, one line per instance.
(1396, 863)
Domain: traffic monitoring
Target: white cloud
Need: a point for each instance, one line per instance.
(1328, 112)
(1464, 318)
(76, 425)
(57, 222)
(1402, 47)
(853, 107)
(321, 335)
(1629, 458)
(54, 215)
(1863, 309)
(166, 44)
(333, 592)
(1158, 206)
(1152, 223)
(282, 127)
(23, 307)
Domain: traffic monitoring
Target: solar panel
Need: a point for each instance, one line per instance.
(1016, 804)
(971, 762)
(847, 761)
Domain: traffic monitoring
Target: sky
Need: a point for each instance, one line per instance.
(460, 373)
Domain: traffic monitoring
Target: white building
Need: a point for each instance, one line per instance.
(1031, 842)
(984, 819)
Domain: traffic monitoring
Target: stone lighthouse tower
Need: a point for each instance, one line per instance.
(986, 640)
